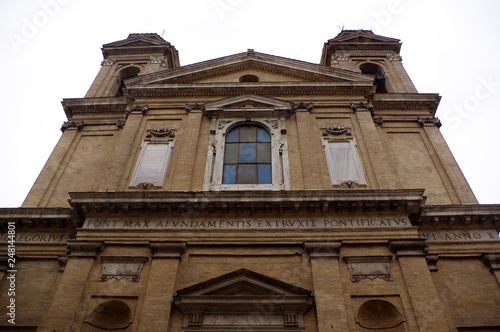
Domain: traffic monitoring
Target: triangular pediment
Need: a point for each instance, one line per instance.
(250, 105)
(361, 36)
(267, 68)
(243, 282)
(139, 40)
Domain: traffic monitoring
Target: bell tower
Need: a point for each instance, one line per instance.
(365, 52)
(139, 54)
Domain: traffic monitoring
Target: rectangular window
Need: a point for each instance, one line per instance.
(152, 164)
(343, 161)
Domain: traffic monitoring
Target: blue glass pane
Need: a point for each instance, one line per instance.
(247, 174)
(263, 135)
(264, 153)
(231, 153)
(248, 134)
(264, 173)
(233, 135)
(229, 174)
(248, 152)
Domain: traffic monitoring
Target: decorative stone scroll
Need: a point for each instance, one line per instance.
(336, 130)
(137, 109)
(369, 267)
(394, 57)
(303, 106)
(121, 267)
(161, 132)
(108, 62)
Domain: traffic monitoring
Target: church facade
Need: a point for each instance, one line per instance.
(251, 193)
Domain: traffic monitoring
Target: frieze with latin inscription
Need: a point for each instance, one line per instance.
(246, 223)
(460, 235)
(38, 238)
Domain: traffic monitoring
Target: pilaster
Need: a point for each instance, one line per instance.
(427, 306)
(329, 296)
(39, 193)
(71, 286)
(308, 143)
(160, 290)
(186, 156)
(492, 261)
(459, 186)
(379, 158)
(116, 167)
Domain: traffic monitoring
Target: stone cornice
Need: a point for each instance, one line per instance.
(76, 106)
(429, 101)
(403, 201)
(322, 248)
(167, 249)
(454, 215)
(408, 247)
(84, 248)
(31, 216)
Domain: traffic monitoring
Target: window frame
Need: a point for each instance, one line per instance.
(280, 178)
(335, 180)
(159, 183)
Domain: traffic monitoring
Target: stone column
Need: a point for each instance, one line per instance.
(379, 158)
(186, 156)
(157, 306)
(116, 167)
(308, 143)
(71, 287)
(492, 261)
(39, 193)
(427, 307)
(328, 294)
(456, 184)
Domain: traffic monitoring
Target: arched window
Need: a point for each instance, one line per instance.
(378, 71)
(123, 75)
(247, 156)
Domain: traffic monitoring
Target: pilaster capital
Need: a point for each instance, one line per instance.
(84, 248)
(425, 122)
(303, 107)
(362, 107)
(194, 108)
(167, 249)
(492, 261)
(322, 248)
(137, 109)
(76, 125)
(409, 247)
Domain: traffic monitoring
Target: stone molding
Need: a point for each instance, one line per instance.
(121, 267)
(167, 249)
(369, 267)
(393, 200)
(84, 248)
(492, 261)
(322, 249)
(409, 247)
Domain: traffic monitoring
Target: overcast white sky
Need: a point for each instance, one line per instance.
(50, 50)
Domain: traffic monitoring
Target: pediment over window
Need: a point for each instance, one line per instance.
(243, 298)
(249, 105)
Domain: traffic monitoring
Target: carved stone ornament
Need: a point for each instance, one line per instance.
(335, 130)
(303, 106)
(121, 267)
(71, 125)
(394, 57)
(223, 123)
(349, 184)
(378, 121)
(161, 132)
(144, 185)
(369, 267)
(272, 123)
(108, 62)
(159, 59)
(137, 109)
(120, 123)
(192, 107)
(336, 58)
(429, 122)
(361, 106)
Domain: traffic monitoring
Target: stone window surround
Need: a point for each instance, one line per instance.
(279, 154)
(341, 182)
(170, 143)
